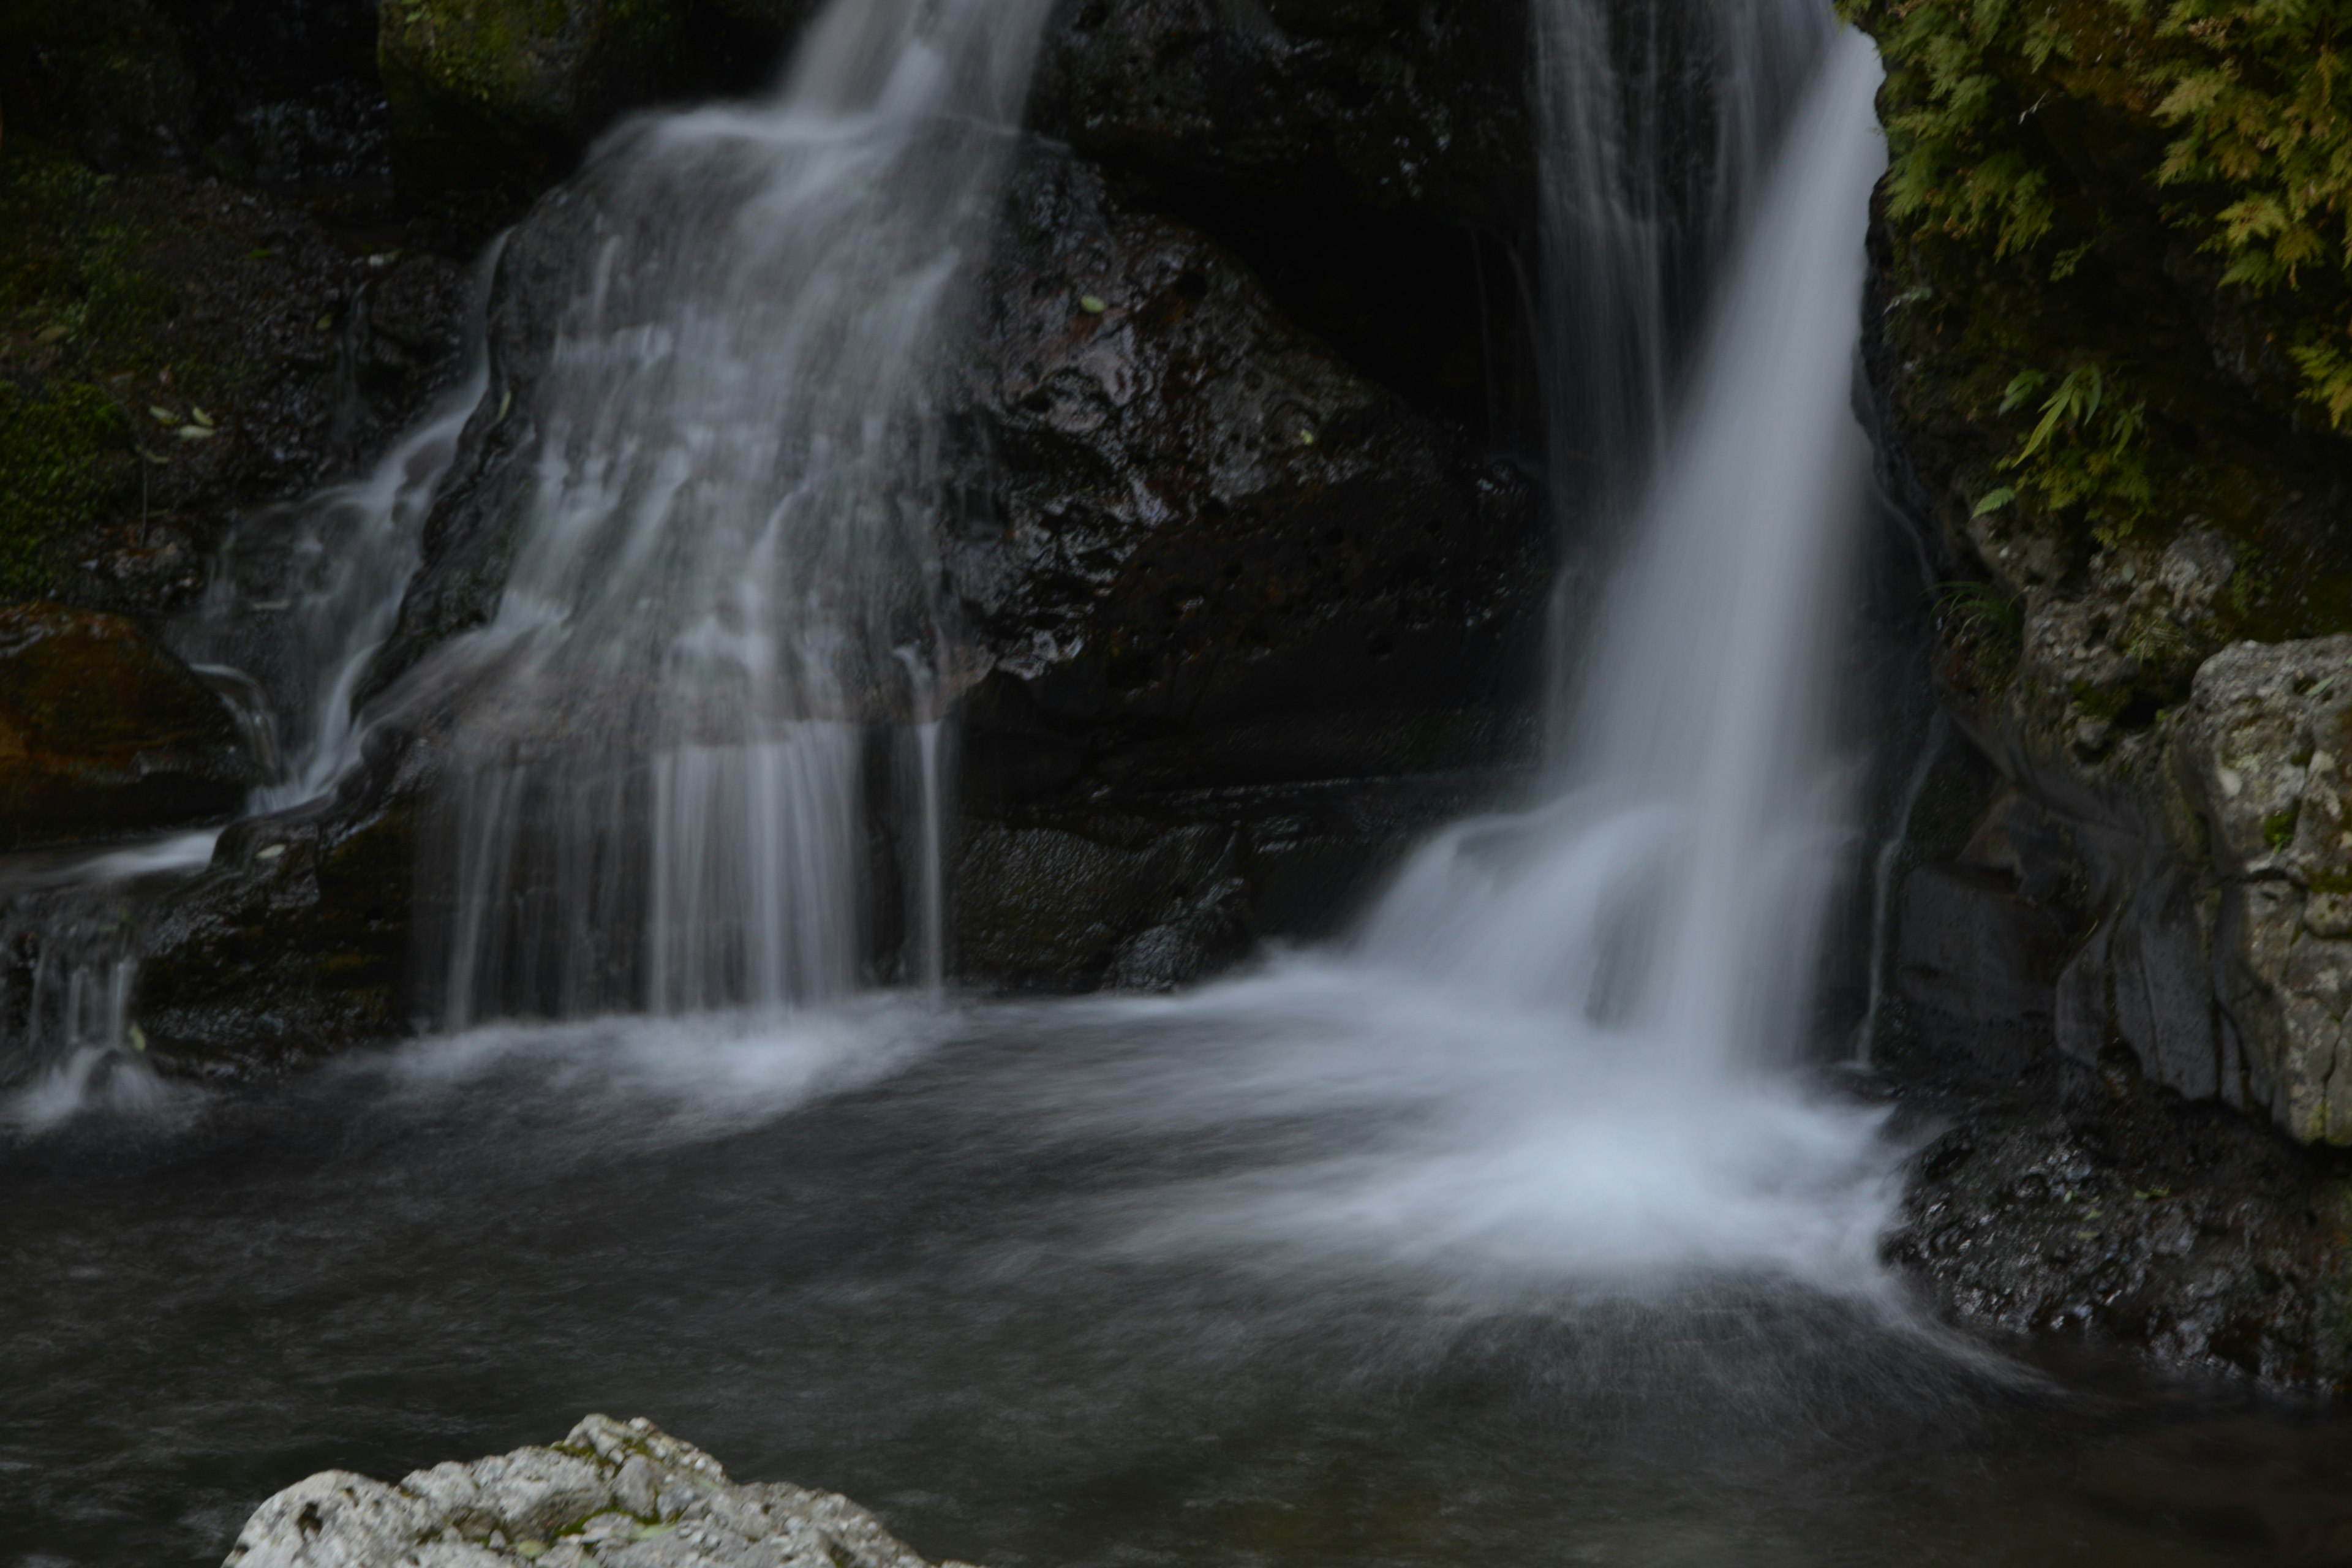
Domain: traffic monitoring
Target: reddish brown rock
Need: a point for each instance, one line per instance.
(103, 731)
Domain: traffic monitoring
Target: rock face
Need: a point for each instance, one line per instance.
(1335, 103)
(175, 352)
(103, 733)
(1243, 622)
(2103, 435)
(1217, 569)
(2264, 745)
(276, 91)
(625, 1495)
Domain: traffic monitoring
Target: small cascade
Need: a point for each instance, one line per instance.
(304, 595)
(302, 599)
(724, 596)
(69, 972)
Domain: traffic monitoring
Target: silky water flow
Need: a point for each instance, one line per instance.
(725, 583)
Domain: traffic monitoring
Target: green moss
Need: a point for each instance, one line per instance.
(63, 464)
(2278, 828)
(80, 319)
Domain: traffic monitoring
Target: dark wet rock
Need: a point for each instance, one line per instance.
(623, 1494)
(1211, 553)
(506, 94)
(1374, 164)
(104, 732)
(277, 91)
(175, 352)
(295, 941)
(2058, 1201)
(1328, 103)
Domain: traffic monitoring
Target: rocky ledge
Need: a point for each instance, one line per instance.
(624, 1495)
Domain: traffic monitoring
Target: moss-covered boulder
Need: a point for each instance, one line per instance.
(103, 733)
(503, 95)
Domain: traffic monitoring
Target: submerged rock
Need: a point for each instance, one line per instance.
(623, 1494)
(103, 733)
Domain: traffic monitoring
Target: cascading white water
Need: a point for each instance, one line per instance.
(727, 572)
(1673, 889)
(1656, 121)
(1559, 1048)
(331, 571)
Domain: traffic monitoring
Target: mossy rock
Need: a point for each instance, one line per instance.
(174, 351)
(502, 96)
(106, 77)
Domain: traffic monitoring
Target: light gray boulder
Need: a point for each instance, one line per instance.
(2266, 751)
(621, 1495)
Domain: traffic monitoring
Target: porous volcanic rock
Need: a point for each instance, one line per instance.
(626, 1495)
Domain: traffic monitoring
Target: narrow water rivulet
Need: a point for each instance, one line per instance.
(1522, 1221)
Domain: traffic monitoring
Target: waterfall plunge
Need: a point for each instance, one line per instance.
(1556, 1053)
(1673, 889)
(726, 575)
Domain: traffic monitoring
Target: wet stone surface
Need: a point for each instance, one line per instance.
(2056, 1203)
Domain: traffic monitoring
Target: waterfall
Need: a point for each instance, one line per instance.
(1555, 1062)
(1672, 888)
(725, 577)
(1653, 120)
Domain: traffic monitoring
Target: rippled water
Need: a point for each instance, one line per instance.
(1066, 1285)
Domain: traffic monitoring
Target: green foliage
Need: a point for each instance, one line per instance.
(1990, 626)
(2246, 96)
(1982, 606)
(2088, 449)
